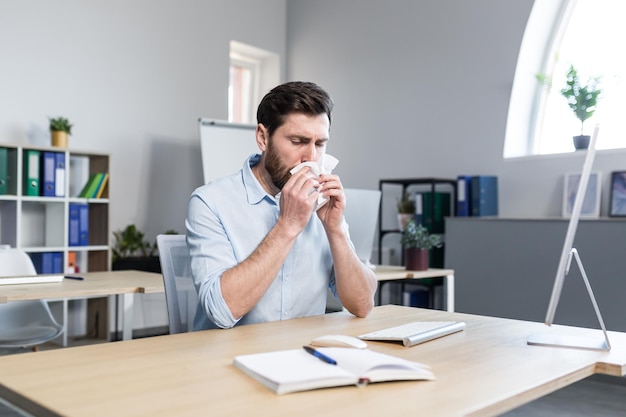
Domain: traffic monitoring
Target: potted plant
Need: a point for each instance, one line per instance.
(582, 100)
(418, 242)
(131, 251)
(60, 129)
(406, 210)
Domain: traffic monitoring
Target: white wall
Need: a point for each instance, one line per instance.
(133, 77)
(422, 89)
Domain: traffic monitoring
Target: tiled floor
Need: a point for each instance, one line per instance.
(596, 396)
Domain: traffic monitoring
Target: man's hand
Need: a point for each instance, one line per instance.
(298, 199)
(331, 214)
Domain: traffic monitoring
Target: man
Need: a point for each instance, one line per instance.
(259, 249)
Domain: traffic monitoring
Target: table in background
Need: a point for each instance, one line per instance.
(484, 370)
(390, 273)
(123, 284)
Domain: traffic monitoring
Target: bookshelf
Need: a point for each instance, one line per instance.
(397, 187)
(433, 209)
(40, 224)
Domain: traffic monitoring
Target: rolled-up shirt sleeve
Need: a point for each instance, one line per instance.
(211, 254)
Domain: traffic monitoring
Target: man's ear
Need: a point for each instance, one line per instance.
(261, 137)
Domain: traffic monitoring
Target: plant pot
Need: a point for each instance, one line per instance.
(139, 263)
(59, 138)
(404, 219)
(416, 259)
(581, 142)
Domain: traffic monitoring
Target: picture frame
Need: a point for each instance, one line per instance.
(591, 202)
(617, 207)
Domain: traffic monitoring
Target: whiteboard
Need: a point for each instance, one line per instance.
(225, 146)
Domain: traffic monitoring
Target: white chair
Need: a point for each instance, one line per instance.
(180, 293)
(24, 324)
(361, 214)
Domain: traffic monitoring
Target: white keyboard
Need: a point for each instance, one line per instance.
(415, 332)
(35, 279)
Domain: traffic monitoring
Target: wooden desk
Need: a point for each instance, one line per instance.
(390, 273)
(96, 284)
(485, 370)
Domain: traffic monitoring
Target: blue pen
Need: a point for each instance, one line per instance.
(75, 277)
(319, 355)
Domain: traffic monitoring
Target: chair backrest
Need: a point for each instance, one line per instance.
(29, 323)
(361, 214)
(180, 293)
(14, 262)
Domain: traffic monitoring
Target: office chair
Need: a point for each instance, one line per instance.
(180, 293)
(24, 324)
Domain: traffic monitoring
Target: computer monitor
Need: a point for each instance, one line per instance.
(361, 214)
(569, 253)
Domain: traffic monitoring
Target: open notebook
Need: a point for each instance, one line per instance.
(294, 370)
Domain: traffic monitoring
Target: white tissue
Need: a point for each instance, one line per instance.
(325, 166)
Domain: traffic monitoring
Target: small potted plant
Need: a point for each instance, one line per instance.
(418, 242)
(60, 129)
(406, 210)
(582, 99)
(131, 251)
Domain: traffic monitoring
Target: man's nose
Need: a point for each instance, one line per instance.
(310, 153)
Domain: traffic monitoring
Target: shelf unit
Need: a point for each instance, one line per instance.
(38, 224)
(390, 188)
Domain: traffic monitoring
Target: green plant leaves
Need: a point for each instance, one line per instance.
(60, 124)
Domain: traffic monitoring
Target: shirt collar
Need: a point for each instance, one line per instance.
(254, 190)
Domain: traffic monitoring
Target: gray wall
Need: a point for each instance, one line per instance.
(133, 77)
(422, 89)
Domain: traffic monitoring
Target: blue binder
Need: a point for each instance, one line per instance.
(74, 225)
(484, 195)
(57, 262)
(47, 174)
(59, 174)
(464, 195)
(48, 262)
(83, 224)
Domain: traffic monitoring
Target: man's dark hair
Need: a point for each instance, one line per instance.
(292, 97)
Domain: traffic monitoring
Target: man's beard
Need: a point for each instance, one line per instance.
(278, 172)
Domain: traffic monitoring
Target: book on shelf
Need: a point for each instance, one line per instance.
(47, 184)
(31, 172)
(102, 185)
(484, 195)
(463, 195)
(418, 297)
(47, 262)
(4, 171)
(95, 185)
(434, 221)
(83, 225)
(295, 370)
(59, 174)
(78, 224)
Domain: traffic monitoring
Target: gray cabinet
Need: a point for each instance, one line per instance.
(506, 268)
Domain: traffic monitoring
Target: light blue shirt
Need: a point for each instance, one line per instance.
(226, 220)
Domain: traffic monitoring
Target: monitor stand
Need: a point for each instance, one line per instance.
(575, 342)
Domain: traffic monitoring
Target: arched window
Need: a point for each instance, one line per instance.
(588, 34)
